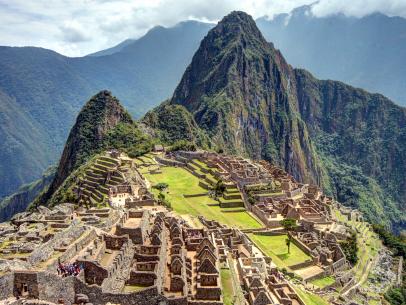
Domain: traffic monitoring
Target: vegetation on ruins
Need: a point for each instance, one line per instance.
(182, 145)
(397, 244)
(163, 201)
(350, 248)
(397, 295)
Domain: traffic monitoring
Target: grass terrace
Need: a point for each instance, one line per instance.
(200, 163)
(323, 282)
(133, 288)
(181, 182)
(226, 282)
(275, 247)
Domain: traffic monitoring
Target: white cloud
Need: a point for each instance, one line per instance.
(78, 27)
(74, 32)
(360, 8)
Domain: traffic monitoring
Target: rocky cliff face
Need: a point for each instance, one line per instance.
(242, 93)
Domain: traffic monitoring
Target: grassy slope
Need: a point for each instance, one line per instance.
(182, 182)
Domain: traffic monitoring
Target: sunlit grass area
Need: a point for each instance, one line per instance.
(227, 286)
(275, 247)
(181, 182)
(323, 282)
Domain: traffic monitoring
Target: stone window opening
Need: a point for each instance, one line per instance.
(24, 291)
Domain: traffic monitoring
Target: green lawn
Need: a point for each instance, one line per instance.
(323, 282)
(182, 182)
(133, 288)
(227, 284)
(275, 247)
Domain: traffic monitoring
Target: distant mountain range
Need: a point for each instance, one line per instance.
(365, 52)
(42, 91)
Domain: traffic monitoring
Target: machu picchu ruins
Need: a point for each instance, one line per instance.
(120, 242)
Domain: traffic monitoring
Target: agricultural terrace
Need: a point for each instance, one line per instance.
(275, 247)
(368, 247)
(181, 182)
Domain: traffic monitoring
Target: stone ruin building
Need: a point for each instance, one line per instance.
(132, 251)
(147, 256)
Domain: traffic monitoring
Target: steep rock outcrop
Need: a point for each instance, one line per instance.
(242, 92)
(103, 123)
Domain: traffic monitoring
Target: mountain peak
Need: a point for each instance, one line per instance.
(239, 24)
(239, 89)
(238, 17)
(98, 117)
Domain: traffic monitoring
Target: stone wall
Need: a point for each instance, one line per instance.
(114, 242)
(78, 246)
(53, 288)
(148, 296)
(6, 286)
(169, 162)
(305, 264)
(43, 252)
(232, 204)
(203, 185)
(26, 280)
(139, 203)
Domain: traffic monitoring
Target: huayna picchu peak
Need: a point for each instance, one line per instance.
(244, 95)
(255, 183)
(239, 90)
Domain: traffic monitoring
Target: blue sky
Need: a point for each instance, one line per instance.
(79, 27)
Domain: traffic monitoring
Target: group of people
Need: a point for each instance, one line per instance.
(69, 269)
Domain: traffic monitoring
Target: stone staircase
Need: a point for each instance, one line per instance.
(93, 188)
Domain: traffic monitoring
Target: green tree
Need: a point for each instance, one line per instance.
(288, 240)
(289, 224)
(350, 248)
(161, 197)
(161, 186)
(219, 188)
